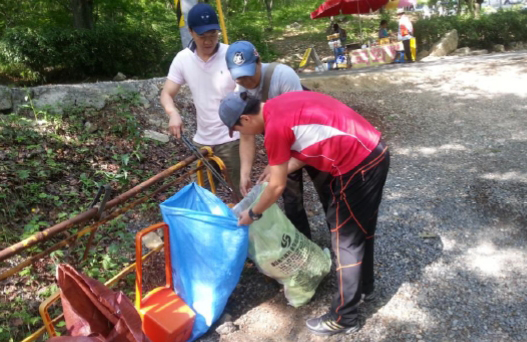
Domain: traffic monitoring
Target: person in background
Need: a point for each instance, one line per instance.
(203, 68)
(405, 33)
(342, 33)
(250, 74)
(383, 31)
(315, 129)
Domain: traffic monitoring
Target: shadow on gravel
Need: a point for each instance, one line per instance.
(469, 190)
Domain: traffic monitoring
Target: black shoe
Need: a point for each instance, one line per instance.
(327, 326)
(369, 297)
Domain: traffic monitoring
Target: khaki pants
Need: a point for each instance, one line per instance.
(230, 154)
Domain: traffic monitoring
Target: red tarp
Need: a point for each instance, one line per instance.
(336, 7)
(93, 312)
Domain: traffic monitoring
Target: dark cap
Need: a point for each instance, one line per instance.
(231, 108)
(202, 18)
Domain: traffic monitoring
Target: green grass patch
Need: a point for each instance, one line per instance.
(54, 160)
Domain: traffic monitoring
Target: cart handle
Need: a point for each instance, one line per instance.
(139, 260)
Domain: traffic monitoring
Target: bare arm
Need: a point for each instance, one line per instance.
(247, 152)
(175, 124)
(271, 193)
(274, 189)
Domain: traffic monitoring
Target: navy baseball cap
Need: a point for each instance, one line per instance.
(241, 59)
(202, 18)
(231, 108)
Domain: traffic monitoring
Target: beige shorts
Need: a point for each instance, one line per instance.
(229, 153)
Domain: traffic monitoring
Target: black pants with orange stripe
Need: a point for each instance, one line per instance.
(352, 217)
(294, 196)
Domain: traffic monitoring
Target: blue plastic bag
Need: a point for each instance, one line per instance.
(208, 250)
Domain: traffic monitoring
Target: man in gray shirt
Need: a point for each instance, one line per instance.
(265, 81)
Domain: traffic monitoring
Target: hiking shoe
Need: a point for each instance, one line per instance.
(369, 297)
(327, 326)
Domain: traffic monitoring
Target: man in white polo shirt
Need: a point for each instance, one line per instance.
(203, 68)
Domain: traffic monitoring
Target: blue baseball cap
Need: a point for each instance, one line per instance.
(241, 59)
(202, 18)
(231, 108)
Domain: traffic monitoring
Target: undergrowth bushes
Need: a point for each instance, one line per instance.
(503, 27)
(35, 55)
(103, 51)
(255, 34)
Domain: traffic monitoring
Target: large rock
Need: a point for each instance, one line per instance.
(6, 102)
(57, 98)
(60, 97)
(446, 45)
(119, 77)
(19, 96)
(156, 136)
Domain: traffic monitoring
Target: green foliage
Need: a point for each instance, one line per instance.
(295, 11)
(38, 42)
(255, 33)
(103, 51)
(44, 159)
(295, 8)
(111, 252)
(502, 27)
(34, 226)
(15, 316)
(18, 71)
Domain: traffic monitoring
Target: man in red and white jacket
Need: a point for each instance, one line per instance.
(309, 128)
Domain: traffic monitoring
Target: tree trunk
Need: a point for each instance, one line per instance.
(470, 4)
(478, 7)
(269, 8)
(82, 14)
(245, 5)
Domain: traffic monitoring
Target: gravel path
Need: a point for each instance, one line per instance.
(451, 246)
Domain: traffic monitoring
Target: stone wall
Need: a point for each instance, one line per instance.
(86, 95)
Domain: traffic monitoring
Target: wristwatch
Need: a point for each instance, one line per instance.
(254, 216)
